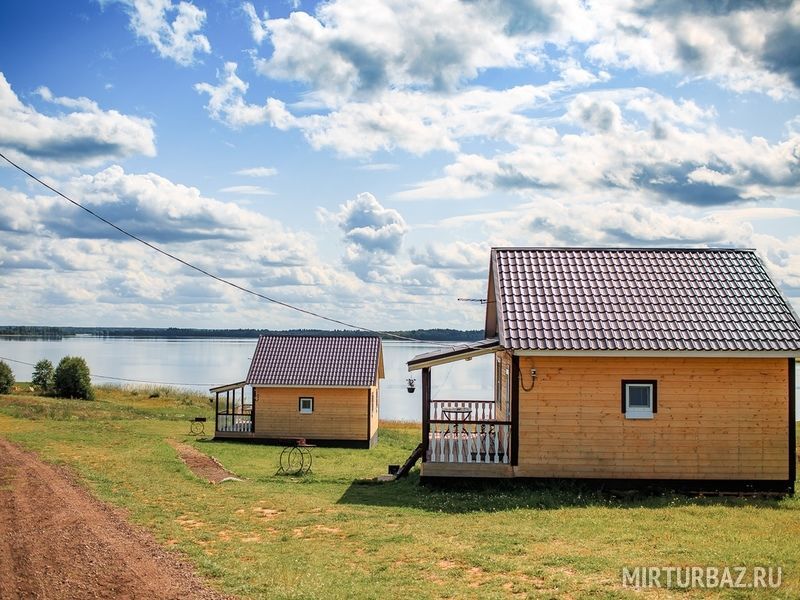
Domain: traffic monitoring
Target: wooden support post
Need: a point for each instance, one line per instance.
(369, 414)
(216, 413)
(426, 411)
(792, 428)
(514, 410)
(253, 411)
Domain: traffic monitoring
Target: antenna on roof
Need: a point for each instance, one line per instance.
(481, 300)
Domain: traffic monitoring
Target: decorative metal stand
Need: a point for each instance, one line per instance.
(296, 459)
(197, 426)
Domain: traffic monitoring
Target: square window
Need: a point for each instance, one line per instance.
(639, 399)
(306, 405)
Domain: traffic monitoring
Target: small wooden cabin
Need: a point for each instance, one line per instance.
(670, 367)
(324, 389)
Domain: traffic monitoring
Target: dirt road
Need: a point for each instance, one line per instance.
(57, 541)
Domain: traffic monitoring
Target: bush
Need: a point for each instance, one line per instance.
(43, 376)
(6, 378)
(72, 379)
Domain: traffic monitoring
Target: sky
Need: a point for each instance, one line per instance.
(359, 158)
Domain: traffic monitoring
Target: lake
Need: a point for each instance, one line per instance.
(201, 363)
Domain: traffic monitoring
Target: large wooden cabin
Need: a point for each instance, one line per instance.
(323, 389)
(667, 367)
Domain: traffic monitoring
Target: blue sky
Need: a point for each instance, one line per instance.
(359, 158)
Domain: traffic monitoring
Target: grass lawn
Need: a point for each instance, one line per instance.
(328, 536)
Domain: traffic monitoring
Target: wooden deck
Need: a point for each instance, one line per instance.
(499, 471)
(235, 435)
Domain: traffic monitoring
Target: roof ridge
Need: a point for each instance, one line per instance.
(347, 335)
(626, 248)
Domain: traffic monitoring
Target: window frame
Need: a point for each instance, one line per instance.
(633, 412)
(300, 408)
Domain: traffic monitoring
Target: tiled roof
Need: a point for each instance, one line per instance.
(639, 299)
(353, 361)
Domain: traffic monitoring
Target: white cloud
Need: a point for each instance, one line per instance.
(172, 29)
(373, 235)
(409, 120)
(675, 153)
(368, 224)
(595, 115)
(156, 209)
(725, 42)
(44, 233)
(470, 176)
(463, 260)
(619, 223)
(349, 49)
(247, 190)
(378, 167)
(82, 103)
(258, 28)
(257, 172)
(127, 283)
(390, 76)
(346, 50)
(84, 135)
(226, 103)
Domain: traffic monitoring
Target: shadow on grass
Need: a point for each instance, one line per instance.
(493, 496)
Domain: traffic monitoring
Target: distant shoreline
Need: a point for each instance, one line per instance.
(49, 332)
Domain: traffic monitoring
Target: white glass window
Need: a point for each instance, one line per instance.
(639, 399)
(306, 405)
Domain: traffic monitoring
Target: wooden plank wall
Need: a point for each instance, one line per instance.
(718, 418)
(374, 402)
(339, 413)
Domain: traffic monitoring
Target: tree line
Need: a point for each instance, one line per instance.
(435, 335)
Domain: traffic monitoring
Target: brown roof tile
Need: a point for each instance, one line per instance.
(351, 361)
(639, 299)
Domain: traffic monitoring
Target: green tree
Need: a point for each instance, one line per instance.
(43, 376)
(72, 379)
(6, 378)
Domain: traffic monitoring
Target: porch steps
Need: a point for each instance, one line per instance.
(410, 462)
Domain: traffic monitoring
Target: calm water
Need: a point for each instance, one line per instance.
(200, 363)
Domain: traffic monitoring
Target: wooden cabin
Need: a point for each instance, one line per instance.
(666, 367)
(323, 389)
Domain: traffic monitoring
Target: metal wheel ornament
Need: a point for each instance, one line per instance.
(295, 460)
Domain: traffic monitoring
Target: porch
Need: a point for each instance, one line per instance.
(234, 411)
(462, 431)
(469, 438)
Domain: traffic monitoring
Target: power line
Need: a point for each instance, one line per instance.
(207, 273)
(22, 362)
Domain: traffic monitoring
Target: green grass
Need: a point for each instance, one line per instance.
(332, 535)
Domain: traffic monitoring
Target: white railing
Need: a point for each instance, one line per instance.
(234, 423)
(476, 410)
(478, 442)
